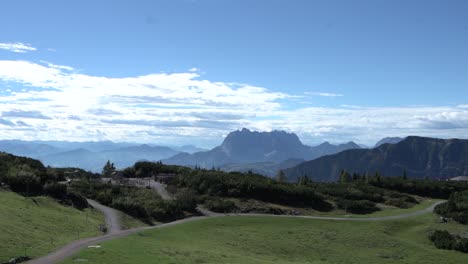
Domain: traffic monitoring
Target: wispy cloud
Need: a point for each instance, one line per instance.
(324, 94)
(17, 47)
(55, 66)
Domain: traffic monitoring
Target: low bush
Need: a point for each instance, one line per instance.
(456, 207)
(357, 206)
(220, 205)
(444, 240)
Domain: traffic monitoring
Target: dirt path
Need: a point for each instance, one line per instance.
(111, 215)
(76, 246)
(379, 218)
(160, 189)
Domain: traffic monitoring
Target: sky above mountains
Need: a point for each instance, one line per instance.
(191, 71)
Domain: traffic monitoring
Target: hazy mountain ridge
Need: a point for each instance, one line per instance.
(420, 157)
(87, 155)
(261, 152)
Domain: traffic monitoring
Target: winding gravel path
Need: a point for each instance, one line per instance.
(362, 219)
(111, 215)
(160, 189)
(75, 246)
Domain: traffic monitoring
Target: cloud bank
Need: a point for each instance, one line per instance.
(48, 101)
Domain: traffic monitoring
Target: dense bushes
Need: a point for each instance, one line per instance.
(456, 207)
(252, 186)
(444, 240)
(357, 206)
(143, 169)
(141, 203)
(220, 205)
(55, 190)
(361, 196)
(426, 188)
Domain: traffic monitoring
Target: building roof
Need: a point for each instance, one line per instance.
(460, 178)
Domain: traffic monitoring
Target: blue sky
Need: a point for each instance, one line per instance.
(190, 71)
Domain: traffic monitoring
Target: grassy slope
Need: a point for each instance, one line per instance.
(23, 223)
(279, 240)
(128, 222)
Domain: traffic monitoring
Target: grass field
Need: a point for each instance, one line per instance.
(279, 240)
(40, 225)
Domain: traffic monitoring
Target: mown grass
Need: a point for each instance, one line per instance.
(265, 239)
(37, 225)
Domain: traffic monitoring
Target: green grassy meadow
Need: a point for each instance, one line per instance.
(40, 224)
(263, 239)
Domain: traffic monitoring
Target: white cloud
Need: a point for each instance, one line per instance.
(177, 103)
(58, 103)
(193, 69)
(324, 94)
(17, 47)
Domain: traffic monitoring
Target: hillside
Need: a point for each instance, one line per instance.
(420, 157)
(250, 150)
(41, 224)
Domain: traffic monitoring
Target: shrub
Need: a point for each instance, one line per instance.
(461, 245)
(357, 206)
(220, 205)
(77, 200)
(186, 199)
(456, 207)
(442, 239)
(56, 190)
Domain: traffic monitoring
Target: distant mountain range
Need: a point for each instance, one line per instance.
(420, 157)
(261, 152)
(90, 155)
(242, 150)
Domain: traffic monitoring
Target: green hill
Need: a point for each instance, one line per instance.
(37, 225)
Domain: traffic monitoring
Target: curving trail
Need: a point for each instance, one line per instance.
(111, 215)
(363, 219)
(75, 246)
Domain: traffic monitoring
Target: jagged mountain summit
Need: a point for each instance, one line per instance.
(244, 148)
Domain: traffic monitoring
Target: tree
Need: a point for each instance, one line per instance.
(344, 176)
(108, 169)
(281, 177)
(405, 176)
(303, 180)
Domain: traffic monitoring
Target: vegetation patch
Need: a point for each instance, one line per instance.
(456, 207)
